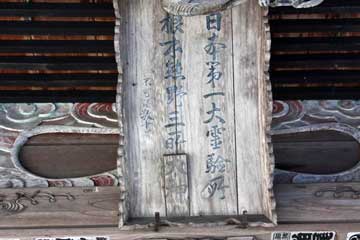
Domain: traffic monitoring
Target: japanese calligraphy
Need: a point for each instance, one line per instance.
(146, 113)
(214, 116)
(303, 235)
(172, 26)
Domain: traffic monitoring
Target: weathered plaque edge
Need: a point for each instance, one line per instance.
(269, 153)
(268, 163)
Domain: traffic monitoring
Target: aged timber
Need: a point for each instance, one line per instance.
(174, 110)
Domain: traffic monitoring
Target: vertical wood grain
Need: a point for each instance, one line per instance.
(144, 104)
(176, 185)
(199, 147)
(251, 113)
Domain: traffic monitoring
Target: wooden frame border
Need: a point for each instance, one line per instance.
(266, 146)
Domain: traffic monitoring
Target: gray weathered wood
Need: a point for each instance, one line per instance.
(75, 207)
(253, 110)
(144, 104)
(209, 158)
(304, 203)
(196, 86)
(176, 185)
(219, 232)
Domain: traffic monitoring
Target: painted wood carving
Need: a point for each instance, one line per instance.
(190, 150)
(198, 7)
(340, 116)
(20, 122)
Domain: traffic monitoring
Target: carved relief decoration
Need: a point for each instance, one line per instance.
(199, 7)
(312, 116)
(10, 206)
(18, 122)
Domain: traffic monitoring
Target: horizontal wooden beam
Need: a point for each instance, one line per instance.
(315, 25)
(56, 46)
(319, 44)
(58, 63)
(58, 80)
(316, 62)
(315, 93)
(57, 96)
(56, 28)
(314, 77)
(177, 233)
(318, 203)
(56, 9)
(296, 203)
(73, 207)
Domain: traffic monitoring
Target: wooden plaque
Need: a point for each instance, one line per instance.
(196, 106)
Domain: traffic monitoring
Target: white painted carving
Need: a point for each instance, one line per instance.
(199, 7)
(18, 122)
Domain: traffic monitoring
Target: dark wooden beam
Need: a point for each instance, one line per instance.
(44, 46)
(57, 9)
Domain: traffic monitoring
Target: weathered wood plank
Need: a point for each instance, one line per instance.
(253, 109)
(326, 202)
(176, 185)
(144, 103)
(76, 207)
(175, 233)
(98, 207)
(209, 113)
(193, 109)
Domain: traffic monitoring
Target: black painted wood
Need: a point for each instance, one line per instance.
(315, 77)
(56, 9)
(57, 63)
(315, 44)
(57, 52)
(54, 46)
(328, 6)
(58, 80)
(56, 28)
(315, 51)
(56, 96)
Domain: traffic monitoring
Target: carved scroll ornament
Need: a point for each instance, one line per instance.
(199, 7)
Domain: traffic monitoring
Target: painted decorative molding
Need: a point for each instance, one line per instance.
(19, 203)
(293, 114)
(95, 114)
(351, 175)
(291, 3)
(18, 117)
(25, 135)
(200, 7)
(18, 122)
(309, 116)
(338, 192)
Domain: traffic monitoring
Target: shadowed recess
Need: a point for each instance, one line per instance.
(323, 152)
(68, 155)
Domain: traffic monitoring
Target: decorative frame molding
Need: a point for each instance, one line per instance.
(19, 122)
(200, 7)
(25, 135)
(352, 174)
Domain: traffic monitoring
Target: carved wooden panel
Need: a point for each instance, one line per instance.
(182, 79)
(20, 122)
(341, 116)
